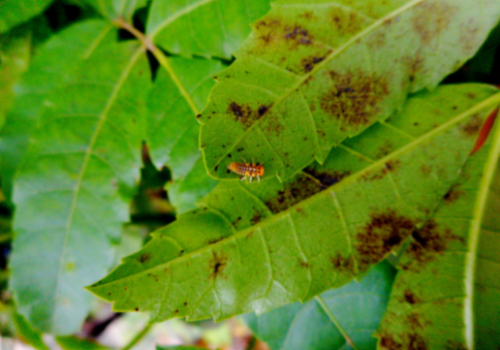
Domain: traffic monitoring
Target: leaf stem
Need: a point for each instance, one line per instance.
(162, 59)
(332, 318)
(138, 337)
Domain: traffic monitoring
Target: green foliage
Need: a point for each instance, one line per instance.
(92, 108)
(259, 246)
(314, 73)
(448, 273)
(14, 12)
(203, 27)
(356, 307)
(82, 167)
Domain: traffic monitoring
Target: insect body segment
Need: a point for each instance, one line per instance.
(247, 169)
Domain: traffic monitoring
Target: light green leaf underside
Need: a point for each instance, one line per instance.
(260, 246)
(114, 9)
(15, 54)
(76, 183)
(203, 27)
(313, 73)
(14, 12)
(46, 74)
(358, 307)
(446, 295)
(173, 130)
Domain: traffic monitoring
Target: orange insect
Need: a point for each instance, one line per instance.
(247, 169)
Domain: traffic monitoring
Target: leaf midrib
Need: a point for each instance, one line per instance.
(376, 24)
(89, 152)
(473, 243)
(492, 100)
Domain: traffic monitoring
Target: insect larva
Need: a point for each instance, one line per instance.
(247, 169)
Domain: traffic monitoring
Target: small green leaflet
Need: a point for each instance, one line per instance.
(313, 73)
(260, 246)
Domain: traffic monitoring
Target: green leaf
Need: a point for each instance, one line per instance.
(357, 307)
(446, 295)
(75, 343)
(316, 72)
(15, 53)
(180, 347)
(203, 27)
(73, 190)
(14, 12)
(27, 334)
(114, 9)
(46, 74)
(173, 130)
(260, 246)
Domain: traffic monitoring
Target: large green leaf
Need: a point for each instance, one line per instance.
(173, 130)
(47, 73)
(447, 293)
(259, 246)
(203, 27)
(15, 53)
(356, 308)
(114, 9)
(316, 72)
(73, 190)
(14, 12)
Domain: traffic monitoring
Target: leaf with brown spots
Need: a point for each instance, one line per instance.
(449, 267)
(326, 71)
(254, 247)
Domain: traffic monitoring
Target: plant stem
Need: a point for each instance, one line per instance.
(138, 337)
(162, 59)
(332, 318)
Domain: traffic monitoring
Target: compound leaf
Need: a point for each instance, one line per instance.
(316, 72)
(46, 74)
(73, 190)
(14, 12)
(260, 246)
(357, 307)
(203, 27)
(447, 292)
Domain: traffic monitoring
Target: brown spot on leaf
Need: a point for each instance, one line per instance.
(380, 235)
(244, 114)
(410, 297)
(145, 257)
(378, 174)
(342, 264)
(327, 177)
(345, 22)
(425, 169)
(414, 65)
(303, 263)
(136, 309)
(263, 110)
(387, 342)
(217, 264)
(309, 62)
(295, 191)
(298, 34)
(354, 97)
(214, 240)
(452, 195)
(256, 217)
(471, 128)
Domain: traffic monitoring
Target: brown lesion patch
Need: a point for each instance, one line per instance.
(217, 264)
(380, 235)
(302, 263)
(298, 34)
(390, 166)
(327, 177)
(453, 194)
(473, 125)
(256, 217)
(414, 65)
(386, 148)
(308, 63)
(429, 242)
(408, 341)
(244, 114)
(343, 264)
(271, 30)
(431, 18)
(410, 297)
(345, 22)
(354, 97)
(214, 240)
(145, 257)
(295, 191)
